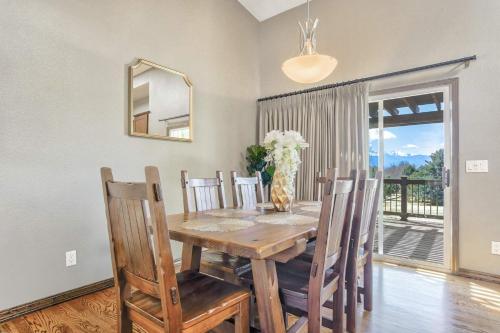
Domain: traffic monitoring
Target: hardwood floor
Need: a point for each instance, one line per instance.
(405, 300)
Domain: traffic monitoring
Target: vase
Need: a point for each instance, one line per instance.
(282, 191)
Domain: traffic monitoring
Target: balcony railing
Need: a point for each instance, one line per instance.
(413, 197)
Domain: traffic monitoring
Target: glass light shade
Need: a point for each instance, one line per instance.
(309, 68)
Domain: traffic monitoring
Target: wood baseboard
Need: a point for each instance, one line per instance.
(487, 277)
(43, 303)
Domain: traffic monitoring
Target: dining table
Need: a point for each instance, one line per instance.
(260, 234)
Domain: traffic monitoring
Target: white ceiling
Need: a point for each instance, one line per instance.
(264, 9)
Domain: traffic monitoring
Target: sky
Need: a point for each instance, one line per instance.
(410, 140)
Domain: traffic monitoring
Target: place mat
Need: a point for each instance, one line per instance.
(314, 209)
(217, 225)
(286, 219)
(265, 205)
(232, 212)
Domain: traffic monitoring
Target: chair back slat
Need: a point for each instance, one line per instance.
(132, 250)
(342, 195)
(370, 235)
(247, 191)
(202, 194)
(130, 231)
(370, 187)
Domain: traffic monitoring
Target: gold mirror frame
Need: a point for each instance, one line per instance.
(131, 101)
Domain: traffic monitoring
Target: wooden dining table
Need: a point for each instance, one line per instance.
(263, 243)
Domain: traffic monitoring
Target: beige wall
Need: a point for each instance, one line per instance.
(373, 37)
(63, 116)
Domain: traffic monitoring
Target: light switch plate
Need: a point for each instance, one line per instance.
(476, 166)
(495, 248)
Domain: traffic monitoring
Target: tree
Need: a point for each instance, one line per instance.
(433, 168)
(408, 170)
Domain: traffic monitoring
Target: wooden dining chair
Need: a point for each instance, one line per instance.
(247, 191)
(362, 234)
(148, 291)
(202, 194)
(360, 260)
(306, 286)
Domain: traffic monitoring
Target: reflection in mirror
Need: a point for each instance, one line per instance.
(160, 102)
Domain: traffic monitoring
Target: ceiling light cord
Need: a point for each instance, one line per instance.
(308, 17)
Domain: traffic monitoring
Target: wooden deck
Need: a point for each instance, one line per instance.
(416, 239)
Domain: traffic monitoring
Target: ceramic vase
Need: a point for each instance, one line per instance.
(282, 191)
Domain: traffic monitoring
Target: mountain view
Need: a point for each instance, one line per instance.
(408, 145)
(394, 159)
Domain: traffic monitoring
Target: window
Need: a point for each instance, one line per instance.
(180, 132)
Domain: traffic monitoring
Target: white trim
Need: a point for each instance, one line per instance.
(447, 127)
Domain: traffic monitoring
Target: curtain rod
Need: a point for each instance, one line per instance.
(374, 77)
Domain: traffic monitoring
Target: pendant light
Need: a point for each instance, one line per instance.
(309, 66)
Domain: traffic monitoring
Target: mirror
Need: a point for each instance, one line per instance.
(160, 102)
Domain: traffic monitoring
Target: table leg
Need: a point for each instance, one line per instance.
(268, 302)
(191, 257)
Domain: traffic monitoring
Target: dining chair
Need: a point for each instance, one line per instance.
(148, 291)
(306, 286)
(247, 191)
(362, 234)
(202, 194)
(360, 260)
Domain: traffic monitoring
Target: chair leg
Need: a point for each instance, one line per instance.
(368, 286)
(338, 310)
(352, 292)
(123, 321)
(242, 319)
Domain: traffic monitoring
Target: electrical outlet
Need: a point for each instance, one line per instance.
(71, 258)
(495, 248)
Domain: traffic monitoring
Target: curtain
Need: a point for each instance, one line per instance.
(333, 121)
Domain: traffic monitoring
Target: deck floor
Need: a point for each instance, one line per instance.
(416, 239)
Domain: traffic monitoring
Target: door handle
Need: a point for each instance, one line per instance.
(445, 177)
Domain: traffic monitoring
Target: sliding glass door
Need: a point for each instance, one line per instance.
(410, 141)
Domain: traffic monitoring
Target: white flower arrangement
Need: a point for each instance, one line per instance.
(283, 151)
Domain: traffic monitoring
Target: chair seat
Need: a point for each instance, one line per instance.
(201, 297)
(308, 254)
(220, 261)
(293, 281)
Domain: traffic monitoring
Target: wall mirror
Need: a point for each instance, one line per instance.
(160, 102)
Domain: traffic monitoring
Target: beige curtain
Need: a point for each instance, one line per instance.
(333, 121)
